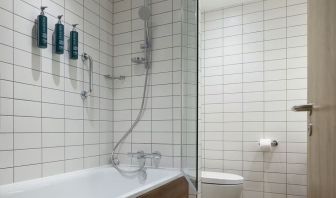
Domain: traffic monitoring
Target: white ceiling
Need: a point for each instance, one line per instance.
(207, 5)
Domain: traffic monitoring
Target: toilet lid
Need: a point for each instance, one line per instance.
(221, 178)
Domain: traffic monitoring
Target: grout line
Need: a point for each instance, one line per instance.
(13, 179)
(250, 33)
(42, 150)
(47, 58)
(242, 92)
(113, 73)
(132, 76)
(64, 121)
(286, 118)
(83, 88)
(264, 77)
(223, 63)
(172, 98)
(99, 116)
(149, 2)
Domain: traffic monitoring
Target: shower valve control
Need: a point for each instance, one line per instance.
(142, 156)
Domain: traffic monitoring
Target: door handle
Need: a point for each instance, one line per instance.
(310, 129)
(309, 108)
(305, 107)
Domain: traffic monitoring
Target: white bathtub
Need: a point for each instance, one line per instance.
(104, 182)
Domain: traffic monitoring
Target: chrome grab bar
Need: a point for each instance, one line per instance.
(85, 57)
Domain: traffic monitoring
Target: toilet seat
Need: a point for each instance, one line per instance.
(221, 178)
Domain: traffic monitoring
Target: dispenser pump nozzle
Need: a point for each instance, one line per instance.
(74, 27)
(59, 19)
(42, 9)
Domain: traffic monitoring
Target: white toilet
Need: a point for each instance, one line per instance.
(221, 185)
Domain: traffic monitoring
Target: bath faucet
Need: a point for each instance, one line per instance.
(142, 156)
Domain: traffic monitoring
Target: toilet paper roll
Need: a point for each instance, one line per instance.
(265, 144)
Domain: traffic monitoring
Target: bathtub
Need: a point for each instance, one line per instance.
(103, 182)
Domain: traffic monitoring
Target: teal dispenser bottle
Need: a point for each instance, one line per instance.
(59, 36)
(42, 29)
(73, 51)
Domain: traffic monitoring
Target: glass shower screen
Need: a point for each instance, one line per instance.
(189, 90)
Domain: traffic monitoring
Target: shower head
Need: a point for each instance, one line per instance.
(144, 13)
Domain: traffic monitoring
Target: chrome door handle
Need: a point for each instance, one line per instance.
(310, 129)
(306, 107)
(309, 108)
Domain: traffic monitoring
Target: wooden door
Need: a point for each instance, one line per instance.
(322, 93)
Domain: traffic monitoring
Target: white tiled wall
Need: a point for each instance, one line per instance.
(45, 127)
(254, 69)
(160, 127)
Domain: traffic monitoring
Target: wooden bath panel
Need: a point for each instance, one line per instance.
(174, 189)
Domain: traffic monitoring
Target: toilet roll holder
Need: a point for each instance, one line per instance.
(274, 143)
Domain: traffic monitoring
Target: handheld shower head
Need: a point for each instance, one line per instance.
(145, 13)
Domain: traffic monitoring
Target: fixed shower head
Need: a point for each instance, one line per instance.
(144, 13)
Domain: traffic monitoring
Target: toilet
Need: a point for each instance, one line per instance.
(221, 185)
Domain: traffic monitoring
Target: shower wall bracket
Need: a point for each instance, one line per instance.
(115, 77)
(138, 60)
